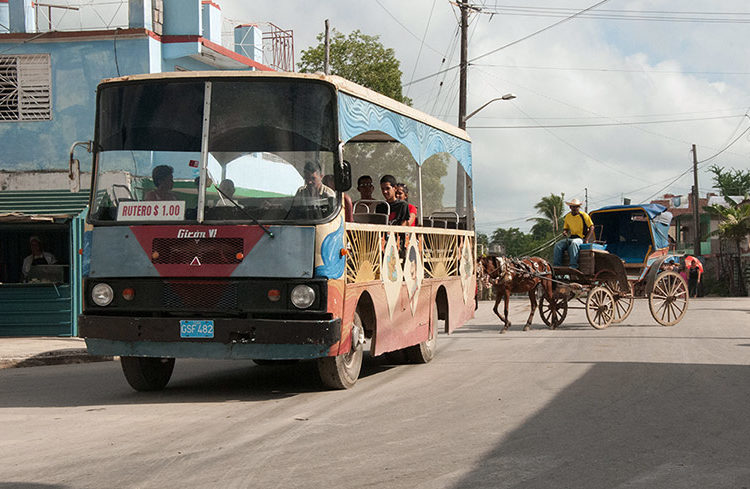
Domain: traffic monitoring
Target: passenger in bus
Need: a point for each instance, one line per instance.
(314, 186)
(348, 206)
(365, 187)
(226, 192)
(163, 178)
(399, 210)
(37, 257)
(402, 193)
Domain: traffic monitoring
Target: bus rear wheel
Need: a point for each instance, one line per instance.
(425, 351)
(147, 374)
(342, 371)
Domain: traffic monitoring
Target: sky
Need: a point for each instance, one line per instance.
(635, 82)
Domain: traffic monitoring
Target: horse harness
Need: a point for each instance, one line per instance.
(509, 266)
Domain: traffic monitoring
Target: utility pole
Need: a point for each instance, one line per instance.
(327, 57)
(464, 6)
(586, 198)
(696, 200)
(460, 178)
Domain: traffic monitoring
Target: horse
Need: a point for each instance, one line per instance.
(509, 275)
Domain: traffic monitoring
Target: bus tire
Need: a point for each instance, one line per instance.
(147, 374)
(425, 351)
(342, 371)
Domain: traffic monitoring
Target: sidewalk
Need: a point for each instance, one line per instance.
(36, 351)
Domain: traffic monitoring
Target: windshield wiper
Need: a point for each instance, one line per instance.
(244, 211)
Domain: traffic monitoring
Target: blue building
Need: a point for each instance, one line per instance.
(48, 77)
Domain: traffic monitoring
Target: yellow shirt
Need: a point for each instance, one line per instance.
(574, 224)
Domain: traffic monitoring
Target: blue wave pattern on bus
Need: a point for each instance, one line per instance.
(334, 263)
(357, 116)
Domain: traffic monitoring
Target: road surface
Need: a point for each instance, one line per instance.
(636, 405)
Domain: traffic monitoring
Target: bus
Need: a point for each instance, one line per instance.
(211, 235)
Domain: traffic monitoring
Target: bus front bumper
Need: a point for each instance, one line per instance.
(232, 338)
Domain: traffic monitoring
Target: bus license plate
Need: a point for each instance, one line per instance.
(196, 328)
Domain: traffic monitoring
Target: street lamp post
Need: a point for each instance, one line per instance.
(461, 183)
(507, 96)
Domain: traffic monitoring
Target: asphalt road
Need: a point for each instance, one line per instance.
(637, 405)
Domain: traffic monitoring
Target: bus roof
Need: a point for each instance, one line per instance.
(340, 83)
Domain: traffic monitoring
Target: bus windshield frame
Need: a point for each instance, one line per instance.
(210, 150)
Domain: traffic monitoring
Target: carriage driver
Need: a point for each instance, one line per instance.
(578, 229)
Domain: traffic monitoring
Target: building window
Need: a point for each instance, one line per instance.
(25, 93)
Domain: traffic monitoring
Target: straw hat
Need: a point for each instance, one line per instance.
(574, 203)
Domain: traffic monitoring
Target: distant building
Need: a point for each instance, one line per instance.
(51, 59)
(683, 225)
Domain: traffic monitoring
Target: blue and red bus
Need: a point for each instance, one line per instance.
(212, 236)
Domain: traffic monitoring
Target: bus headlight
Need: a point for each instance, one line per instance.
(102, 294)
(302, 296)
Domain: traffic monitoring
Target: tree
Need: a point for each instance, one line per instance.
(483, 243)
(734, 225)
(552, 210)
(514, 242)
(359, 58)
(732, 181)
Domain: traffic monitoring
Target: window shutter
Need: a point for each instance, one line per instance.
(25, 88)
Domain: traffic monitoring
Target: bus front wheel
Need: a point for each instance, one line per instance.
(342, 371)
(147, 374)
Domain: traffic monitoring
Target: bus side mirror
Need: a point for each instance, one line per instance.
(74, 166)
(342, 175)
(74, 175)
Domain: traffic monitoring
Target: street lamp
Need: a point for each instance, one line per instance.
(507, 96)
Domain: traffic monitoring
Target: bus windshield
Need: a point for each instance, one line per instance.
(268, 144)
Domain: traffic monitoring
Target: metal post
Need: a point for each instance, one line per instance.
(327, 58)
(420, 211)
(696, 200)
(204, 151)
(460, 182)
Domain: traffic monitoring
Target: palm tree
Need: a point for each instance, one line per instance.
(734, 223)
(552, 209)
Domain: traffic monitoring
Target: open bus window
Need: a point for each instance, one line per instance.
(374, 159)
(446, 192)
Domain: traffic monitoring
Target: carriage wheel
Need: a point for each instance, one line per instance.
(668, 300)
(553, 310)
(600, 307)
(623, 301)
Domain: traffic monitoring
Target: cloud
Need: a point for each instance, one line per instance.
(582, 72)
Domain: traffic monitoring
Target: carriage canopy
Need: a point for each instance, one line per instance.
(632, 232)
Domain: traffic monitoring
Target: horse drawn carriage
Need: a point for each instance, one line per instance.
(629, 259)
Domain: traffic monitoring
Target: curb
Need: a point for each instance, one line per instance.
(55, 357)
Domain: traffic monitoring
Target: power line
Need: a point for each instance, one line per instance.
(406, 28)
(566, 19)
(613, 70)
(421, 44)
(611, 14)
(602, 2)
(637, 127)
(604, 124)
(698, 164)
(571, 145)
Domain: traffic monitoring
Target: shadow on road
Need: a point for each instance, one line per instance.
(193, 381)
(634, 425)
